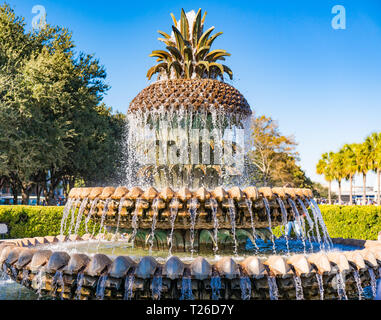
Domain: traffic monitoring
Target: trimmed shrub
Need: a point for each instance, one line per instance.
(348, 222)
(352, 222)
(36, 221)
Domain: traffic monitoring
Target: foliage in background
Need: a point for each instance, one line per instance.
(352, 222)
(37, 221)
(351, 159)
(348, 222)
(272, 158)
(54, 128)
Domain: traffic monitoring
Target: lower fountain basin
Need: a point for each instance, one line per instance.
(74, 270)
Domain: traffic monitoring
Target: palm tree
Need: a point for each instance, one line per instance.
(338, 170)
(363, 163)
(187, 54)
(350, 167)
(374, 145)
(324, 167)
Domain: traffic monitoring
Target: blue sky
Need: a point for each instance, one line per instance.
(322, 85)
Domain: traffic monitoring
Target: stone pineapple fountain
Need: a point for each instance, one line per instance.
(185, 146)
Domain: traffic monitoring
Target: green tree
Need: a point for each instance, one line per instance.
(268, 146)
(324, 167)
(338, 170)
(350, 166)
(373, 143)
(363, 162)
(54, 128)
(286, 171)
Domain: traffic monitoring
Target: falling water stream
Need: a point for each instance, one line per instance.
(186, 289)
(310, 223)
(215, 284)
(284, 221)
(358, 284)
(58, 282)
(65, 214)
(101, 286)
(214, 206)
(341, 286)
(373, 282)
(120, 207)
(273, 288)
(79, 216)
(80, 280)
(268, 212)
(249, 205)
(134, 222)
(155, 208)
(92, 208)
(128, 286)
(72, 219)
(317, 212)
(39, 282)
(319, 279)
(298, 221)
(232, 213)
(298, 288)
(157, 287)
(104, 212)
(193, 215)
(173, 210)
(245, 285)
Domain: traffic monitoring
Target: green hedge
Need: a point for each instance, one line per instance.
(356, 222)
(352, 222)
(35, 221)
(348, 222)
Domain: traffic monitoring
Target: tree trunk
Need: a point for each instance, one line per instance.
(15, 194)
(339, 182)
(25, 196)
(364, 188)
(38, 194)
(378, 186)
(350, 190)
(329, 192)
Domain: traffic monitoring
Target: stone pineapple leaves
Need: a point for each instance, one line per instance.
(188, 52)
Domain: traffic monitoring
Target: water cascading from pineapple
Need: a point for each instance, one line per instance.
(184, 148)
